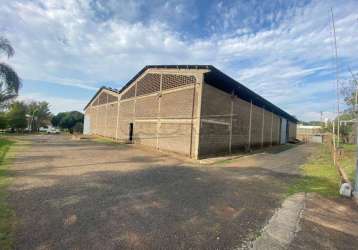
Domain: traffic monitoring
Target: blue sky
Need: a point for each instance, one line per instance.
(66, 50)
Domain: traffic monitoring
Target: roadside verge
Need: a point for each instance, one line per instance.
(8, 149)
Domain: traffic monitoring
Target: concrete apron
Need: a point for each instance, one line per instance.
(283, 225)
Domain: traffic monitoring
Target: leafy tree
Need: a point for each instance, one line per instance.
(39, 113)
(10, 82)
(78, 128)
(69, 120)
(346, 129)
(57, 119)
(16, 116)
(3, 120)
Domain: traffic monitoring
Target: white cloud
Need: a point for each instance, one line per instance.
(64, 42)
(57, 104)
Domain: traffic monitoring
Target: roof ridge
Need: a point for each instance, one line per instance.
(216, 78)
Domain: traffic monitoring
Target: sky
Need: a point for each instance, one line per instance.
(283, 50)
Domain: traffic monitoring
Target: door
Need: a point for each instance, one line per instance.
(130, 136)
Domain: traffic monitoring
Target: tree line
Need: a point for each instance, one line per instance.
(31, 116)
(20, 116)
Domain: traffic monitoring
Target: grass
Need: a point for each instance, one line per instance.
(106, 140)
(349, 160)
(319, 174)
(6, 214)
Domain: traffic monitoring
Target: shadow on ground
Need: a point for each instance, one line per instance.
(160, 204)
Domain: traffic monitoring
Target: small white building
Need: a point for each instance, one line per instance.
(309, 133)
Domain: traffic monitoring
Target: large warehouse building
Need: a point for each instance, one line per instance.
(192, 110)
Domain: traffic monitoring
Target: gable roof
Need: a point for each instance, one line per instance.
(219, 80)
(99, 91)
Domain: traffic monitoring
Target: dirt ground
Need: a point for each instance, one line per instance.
(71, 194)
(327, 224)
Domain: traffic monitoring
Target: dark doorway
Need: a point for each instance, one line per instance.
(130, 132)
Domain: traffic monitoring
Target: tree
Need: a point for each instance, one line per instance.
(78, 128)
(57, 119)
(39, 113)
(349, 90)
(3, 120)
(16, 117)
(10, 82)
(73, 121)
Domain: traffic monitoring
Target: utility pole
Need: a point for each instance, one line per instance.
(334, 144)
(337, 82)
(321, 119)
(356, 92)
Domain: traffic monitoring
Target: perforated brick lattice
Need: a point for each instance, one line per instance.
(130, 93)
(173, 81)
(150, 83)
(95, 103)
(112, 98)
(102, 99)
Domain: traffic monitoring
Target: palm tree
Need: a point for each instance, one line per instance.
(10, 82)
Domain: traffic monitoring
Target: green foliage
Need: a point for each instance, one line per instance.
(6, 214)
(73, 121)
(57, 119)
(348, 162)
(10, 82)
(3, 120)
(348, 90)
(16, 116)
(319, 174)
(78, 128)
(346, 130)
(39, 114)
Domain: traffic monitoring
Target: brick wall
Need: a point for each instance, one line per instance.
(292, 131)
(267, 128)
(215, 121)
(256, 127)
(175, 137)
(146, 133)
(161, 104)
(225, 124)
(240, 124)
(186, 116)
(111, 120)
(276, 130)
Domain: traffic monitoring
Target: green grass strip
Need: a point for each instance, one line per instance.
(6, 214)
(319, 174)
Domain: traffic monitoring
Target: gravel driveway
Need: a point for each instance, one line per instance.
(71, 194)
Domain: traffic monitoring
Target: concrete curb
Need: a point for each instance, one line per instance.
(283, 225)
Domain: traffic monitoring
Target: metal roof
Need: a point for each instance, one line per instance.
(219, 80)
